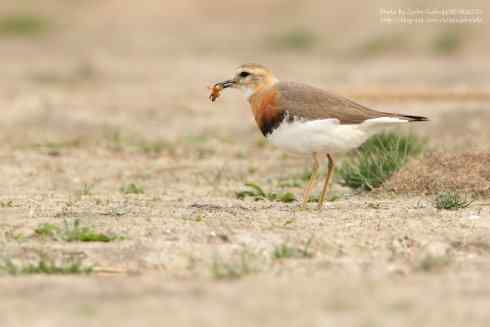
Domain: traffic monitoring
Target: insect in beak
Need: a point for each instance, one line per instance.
(218, 87)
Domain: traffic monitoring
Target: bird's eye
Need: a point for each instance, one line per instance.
(244, 74)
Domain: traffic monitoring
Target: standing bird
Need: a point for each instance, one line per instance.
(307, 120)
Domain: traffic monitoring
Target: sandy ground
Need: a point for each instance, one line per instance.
(115, 94)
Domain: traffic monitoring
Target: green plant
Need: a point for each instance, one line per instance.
(7, 204)
(257, 193)
(293, 39)
(132, 189)
(47, 230)
(73, 232)
(284, 251)
(86, 189)
(451, 201)
(331, 197)
(223, 270)
(155, 148)
(380, 44)
(447, 41)
(378, 158)
(45, 266)
(12, 235)
(431, 263)
(195, 139)
(22, 25)
(55, 148)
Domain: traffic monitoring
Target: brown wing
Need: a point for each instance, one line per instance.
(308, 102)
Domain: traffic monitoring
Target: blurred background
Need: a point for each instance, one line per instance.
(72, 59)
(98, 72)
(157, 57)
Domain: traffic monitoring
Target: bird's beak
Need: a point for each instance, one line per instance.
(227, 83)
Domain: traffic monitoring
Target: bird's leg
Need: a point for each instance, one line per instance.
(311, 183)
(328, 179)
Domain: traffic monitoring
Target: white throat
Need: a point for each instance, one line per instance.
(248, 92)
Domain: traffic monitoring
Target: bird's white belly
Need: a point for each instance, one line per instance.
(317, 136)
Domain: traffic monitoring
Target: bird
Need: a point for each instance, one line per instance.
(307, 120)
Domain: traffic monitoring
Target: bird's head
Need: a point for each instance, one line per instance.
(250, 78)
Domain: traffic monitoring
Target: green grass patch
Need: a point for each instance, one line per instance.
(235, 269)
(330, 197)
(155, 148)
(47, 230)
(86, 189)
(378, 158)
(430, 263)
(12, 235)
(73, 232)
(255, 192)
(293, 39)
(451, 201)
(448, 41)
(132, 189)
(45, 266)
(56, 148)
(7, 204)
(285, 251)
(23, 25)
(381, 44)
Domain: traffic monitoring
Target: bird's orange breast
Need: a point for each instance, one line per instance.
(266, 111)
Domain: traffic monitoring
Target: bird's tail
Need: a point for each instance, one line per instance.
(375, 124)
(411, 118)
